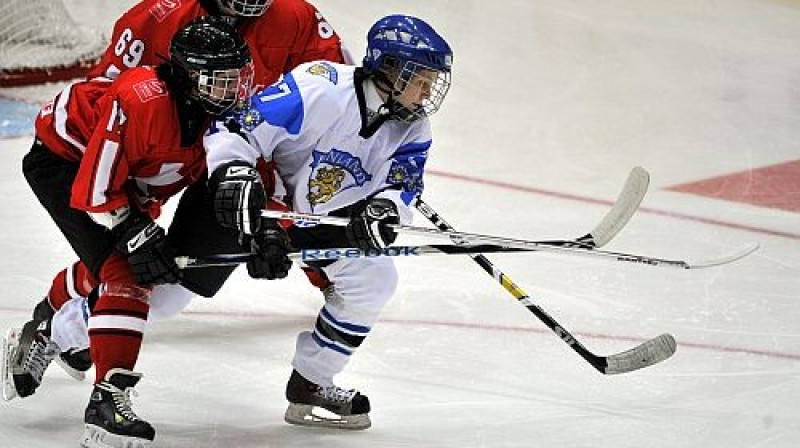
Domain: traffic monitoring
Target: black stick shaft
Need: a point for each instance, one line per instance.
(599, 363)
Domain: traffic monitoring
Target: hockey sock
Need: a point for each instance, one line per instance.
(116, 326)
(73, 282)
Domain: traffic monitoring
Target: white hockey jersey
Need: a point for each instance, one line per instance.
(309, 123)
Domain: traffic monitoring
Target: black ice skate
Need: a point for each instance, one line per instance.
(110, 421)
(346, 409)
(76, 361)
(26, 354)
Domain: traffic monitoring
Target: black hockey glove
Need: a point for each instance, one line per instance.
(145, 245)
(239, 196)
(368, 224)
(270, 244)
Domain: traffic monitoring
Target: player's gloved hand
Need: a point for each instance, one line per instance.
(271, 245)
(368, 227)
(239, 196)
(145, 245)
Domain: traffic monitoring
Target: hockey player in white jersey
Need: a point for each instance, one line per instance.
(348, 141)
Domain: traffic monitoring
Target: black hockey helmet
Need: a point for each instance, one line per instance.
(215, 59)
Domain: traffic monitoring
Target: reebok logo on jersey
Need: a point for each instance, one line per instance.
(163, 8)
(47, 109)
(150, 90)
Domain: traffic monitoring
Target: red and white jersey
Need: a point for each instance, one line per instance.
(127, 137)
(289, 33)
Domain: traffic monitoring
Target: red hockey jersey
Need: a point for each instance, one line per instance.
(127, 137)
(290, 32)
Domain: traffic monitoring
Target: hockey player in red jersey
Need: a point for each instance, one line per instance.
(105, 157)
(281, 33)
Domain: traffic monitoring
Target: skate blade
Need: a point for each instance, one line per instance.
(10, 344)
(96, 437)
(307, 415)
(74, 373)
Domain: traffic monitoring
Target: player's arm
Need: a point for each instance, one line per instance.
(99, 189)
(239, 196)
(392, 204)
(99, 186)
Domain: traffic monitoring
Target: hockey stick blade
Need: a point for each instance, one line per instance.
(724, 259)
(643, 355)
(624, 207)
(646, 353)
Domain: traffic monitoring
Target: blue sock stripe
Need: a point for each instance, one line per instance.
(330, 344)
(345, 327)
(324, 329)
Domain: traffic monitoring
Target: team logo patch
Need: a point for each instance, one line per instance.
(250, 119)
(324, 70)
(400, 175)
(150, 90)
(333, 172)
(406, 171)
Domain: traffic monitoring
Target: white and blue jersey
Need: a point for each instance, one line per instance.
(309, 123)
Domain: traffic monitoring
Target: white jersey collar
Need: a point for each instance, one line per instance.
(372, 99)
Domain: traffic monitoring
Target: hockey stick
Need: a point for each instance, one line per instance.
(347, 252)
(431, 249)
(571, 247)
(631, 195)
(627, 203)
(646, 354)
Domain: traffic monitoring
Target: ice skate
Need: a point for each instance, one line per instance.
(331, 407)
(26, 355)
(75, 362)
(109, 418)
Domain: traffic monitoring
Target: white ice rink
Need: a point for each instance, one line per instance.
(552, 103)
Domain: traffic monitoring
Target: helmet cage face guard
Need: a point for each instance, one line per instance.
(248, 8)
(218, 90)
(418, 90)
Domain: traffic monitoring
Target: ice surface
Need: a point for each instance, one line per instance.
(552, 103)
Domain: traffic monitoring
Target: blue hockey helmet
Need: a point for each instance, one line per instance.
(401, 48)
(407, 39)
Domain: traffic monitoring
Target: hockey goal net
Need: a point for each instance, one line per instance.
(41, 42)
